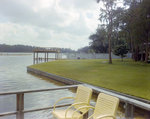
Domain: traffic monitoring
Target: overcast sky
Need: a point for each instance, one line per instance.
(48, 23)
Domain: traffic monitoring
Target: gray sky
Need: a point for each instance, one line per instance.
(48, 23)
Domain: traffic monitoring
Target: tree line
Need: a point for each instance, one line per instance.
(127, 25)
(26, 48)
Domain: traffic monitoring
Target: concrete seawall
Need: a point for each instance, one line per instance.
(54, 77)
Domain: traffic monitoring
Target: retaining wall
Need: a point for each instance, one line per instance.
(53, 76)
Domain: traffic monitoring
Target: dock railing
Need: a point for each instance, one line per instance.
(20, 101)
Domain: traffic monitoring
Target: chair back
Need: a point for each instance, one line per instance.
(105, 105)
(83, 94)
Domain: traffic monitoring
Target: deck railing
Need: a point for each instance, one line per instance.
(20, 101)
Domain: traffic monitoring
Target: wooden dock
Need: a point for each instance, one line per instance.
(46, 50)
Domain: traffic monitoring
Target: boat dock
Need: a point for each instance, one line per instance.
(46, 50)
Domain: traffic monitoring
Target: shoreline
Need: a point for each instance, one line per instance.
(13, 54)
(67, 81)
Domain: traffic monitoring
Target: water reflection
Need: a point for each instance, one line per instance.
(48, 80)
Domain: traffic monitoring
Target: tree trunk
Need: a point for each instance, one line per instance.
(142, 52)
(130, 47)
(146, 55)
(110, 60)
(122, 58)
(117, 39)
(132, 51)
(136, 54)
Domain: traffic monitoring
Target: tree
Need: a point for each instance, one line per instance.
(139, 24)
(99, 42)
(85, 49)
(131, 26)
(65, 50)
(107, 16)
(145, 24)
(120, 50)
(117, 35)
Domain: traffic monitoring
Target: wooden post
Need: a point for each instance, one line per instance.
(47, 56)
(37, 58)
(20, 106)
(33, 57)
(129, 110)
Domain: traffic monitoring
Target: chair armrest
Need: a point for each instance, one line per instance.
(62, 99)
(90, 116)
(106, 116)
(79, 103)
(83, 107)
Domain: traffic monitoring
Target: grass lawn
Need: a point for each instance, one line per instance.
(126, 76)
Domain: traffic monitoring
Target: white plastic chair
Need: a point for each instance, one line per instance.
(82, 98)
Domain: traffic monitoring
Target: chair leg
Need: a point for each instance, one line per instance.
(53, 117)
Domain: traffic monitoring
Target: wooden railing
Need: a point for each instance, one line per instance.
(20, 101)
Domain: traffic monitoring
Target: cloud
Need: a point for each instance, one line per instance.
(63, 23)
(14, 33)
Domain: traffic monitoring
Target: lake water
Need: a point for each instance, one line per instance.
(14, 77)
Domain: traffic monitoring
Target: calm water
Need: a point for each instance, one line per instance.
(14, 77)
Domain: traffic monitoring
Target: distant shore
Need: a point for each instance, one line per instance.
(6, 54)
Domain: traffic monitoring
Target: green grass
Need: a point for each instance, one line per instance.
(128, 77)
